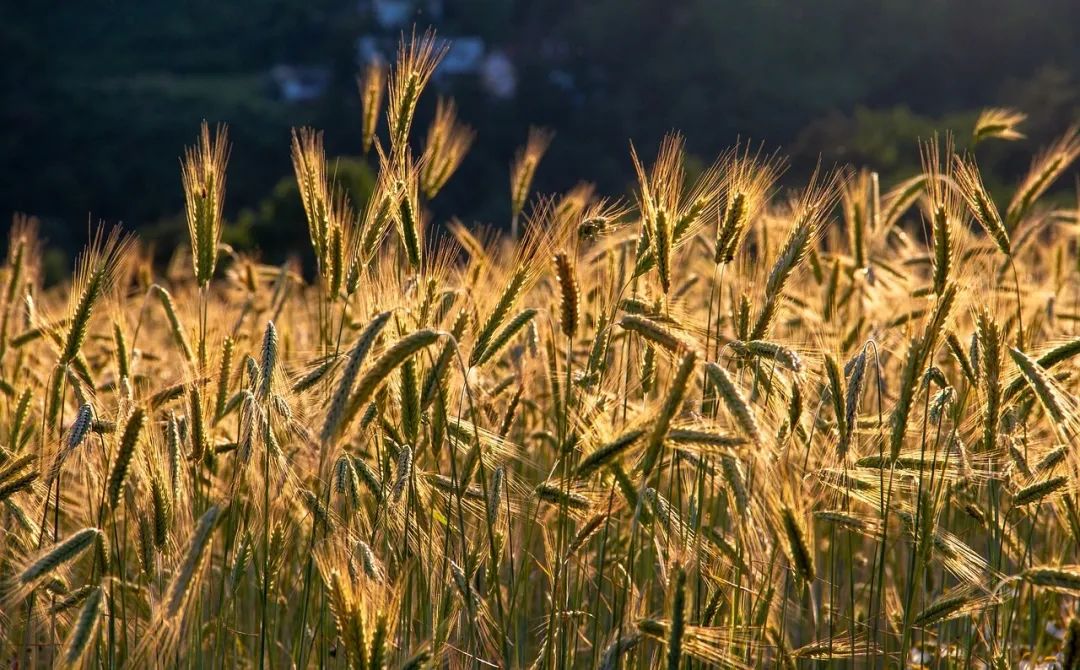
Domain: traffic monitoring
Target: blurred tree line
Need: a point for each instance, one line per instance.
(100, 98)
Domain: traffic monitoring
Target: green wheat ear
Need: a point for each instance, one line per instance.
(183, 582)
(339, 400)
(798, 544)
(735, 402)
(677, 629)
(381, 369)
(125, 454)
(672, 405)
(506, 334)
(59, 555)
(85, 626)
(501, 310)
(1040, 383)
(837, 395)
(179, 334)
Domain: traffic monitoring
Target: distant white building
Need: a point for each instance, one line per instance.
(499, 75)
(299, 83)
(392, 13)
(396, 14)
(368, 49)
(466, 56)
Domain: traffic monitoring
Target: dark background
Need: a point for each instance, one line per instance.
(99, 98)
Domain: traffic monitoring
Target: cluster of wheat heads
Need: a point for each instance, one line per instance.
(714, 425)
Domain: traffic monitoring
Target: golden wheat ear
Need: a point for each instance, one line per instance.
(523, 169)
(970, 184)
(416, 62)
(309, 164)
(372, 87)
(997, 123)
(447, 143)
(95, 275)
(408, 216)
(1050, 164)
(748, 180)
(203, 175)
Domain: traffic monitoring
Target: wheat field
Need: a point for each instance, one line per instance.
(714, 423)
